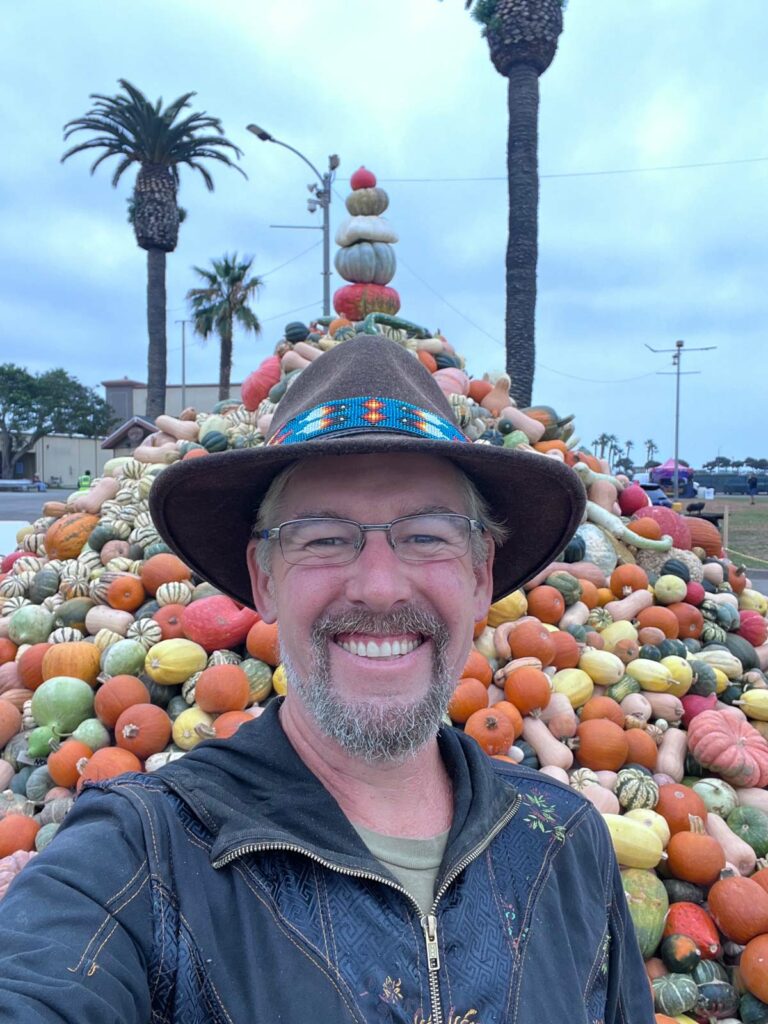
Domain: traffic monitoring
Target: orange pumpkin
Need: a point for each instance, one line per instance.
(739, 907)
(125, 592)
(63, 763)
(547, 604)
(603, 707)
(589, 594)
(17, 832)
(470, 695)
(262, 642)
(107, 763)
(479, 388)
(494, 731)
(567, 650)
(528, 689)
(646, 527)
(222, 688)
(8, 650)
(531, 640)
(642, 749)
(143, 729)
(163, 568)
(625, 579)
(194, 453)
(695, 856)
(117, 694)
(226, 725)
(478, 667)
(677, 803)
(169, 618)
(10, 721)
(67, 536)
(30, 665)
(604, 595)
(427, 359)
(78, 659)
(753, 967)
(704, 535)
(690, 621)
(602, 745)
(505, 707)
(662, 618)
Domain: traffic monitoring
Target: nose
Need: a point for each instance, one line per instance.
(378, 578)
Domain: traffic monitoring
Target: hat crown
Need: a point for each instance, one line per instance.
(366, 366)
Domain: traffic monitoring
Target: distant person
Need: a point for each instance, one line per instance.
(752, 488)
(38, 484)
(84, 481)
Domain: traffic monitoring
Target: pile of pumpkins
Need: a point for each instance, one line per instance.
(632, 669)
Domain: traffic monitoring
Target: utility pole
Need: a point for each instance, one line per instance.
(319, 197)
(677, 359)
(183, 361)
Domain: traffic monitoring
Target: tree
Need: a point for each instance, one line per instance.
(220, 303)
(628, 446)
(33, 405)
(158, 140)
(522, 37)
(650, 450)
(601, 442)
(625, 464)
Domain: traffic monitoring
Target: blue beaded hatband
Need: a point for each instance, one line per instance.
(366, 413)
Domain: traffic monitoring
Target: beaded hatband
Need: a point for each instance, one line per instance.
(352, 415)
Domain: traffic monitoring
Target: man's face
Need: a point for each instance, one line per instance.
(335, 621)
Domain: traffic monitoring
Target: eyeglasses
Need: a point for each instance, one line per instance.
(431, 537)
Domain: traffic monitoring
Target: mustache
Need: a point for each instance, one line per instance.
(409, 619)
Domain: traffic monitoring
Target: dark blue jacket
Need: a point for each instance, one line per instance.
(229, 888)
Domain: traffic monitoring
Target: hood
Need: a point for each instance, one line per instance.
(254, 788)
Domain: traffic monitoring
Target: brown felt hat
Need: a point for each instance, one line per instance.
(364, 396)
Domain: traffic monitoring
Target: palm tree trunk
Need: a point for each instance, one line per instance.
(522, 243)
(225, 360)
(157, 364)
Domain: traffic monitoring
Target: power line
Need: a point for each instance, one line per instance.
(296, 309)
(591, 174)
(296, 257)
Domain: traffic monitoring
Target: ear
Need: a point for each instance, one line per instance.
(483, 595)
(262, 585)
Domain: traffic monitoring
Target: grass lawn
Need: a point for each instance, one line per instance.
(747, 540)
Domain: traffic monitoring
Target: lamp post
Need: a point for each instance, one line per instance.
(320, 197)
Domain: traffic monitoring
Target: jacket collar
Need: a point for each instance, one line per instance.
(253, 790)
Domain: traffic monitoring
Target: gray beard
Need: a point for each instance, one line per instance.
(375, 730)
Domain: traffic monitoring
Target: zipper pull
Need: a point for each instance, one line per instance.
(429, 924)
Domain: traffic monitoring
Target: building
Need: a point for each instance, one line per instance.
(128, 397)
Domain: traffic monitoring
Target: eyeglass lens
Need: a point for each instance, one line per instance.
(420, 538)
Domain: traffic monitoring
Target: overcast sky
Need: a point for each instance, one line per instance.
(406, 87)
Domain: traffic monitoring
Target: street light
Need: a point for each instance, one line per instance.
(319, 197)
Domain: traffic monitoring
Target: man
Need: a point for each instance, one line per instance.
(338, 859)
(84, 481)
(752, 488)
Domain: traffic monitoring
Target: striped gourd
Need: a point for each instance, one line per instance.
(146, 631)
(173, 593)
(635, 789)
(65, 635)
(674, 994)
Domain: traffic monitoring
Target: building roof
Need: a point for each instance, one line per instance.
(121, 433)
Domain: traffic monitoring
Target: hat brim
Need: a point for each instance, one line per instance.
(205, 509)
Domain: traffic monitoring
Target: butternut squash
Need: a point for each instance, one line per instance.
(737, 852)
(671, 759)
(533, 429)
(501, 635)
(500, 676)
(548, 750)
(666, 706)
(713, 573)
(604, 800)
(182, 430)
(638, 705)
(607, 779)
(307, 351)
(101, 490)
(629, 607)
(603, 493)
(558, 704)
(555, 773)
(575, 615)
(163, 455)
(581, 570)
(751, 797)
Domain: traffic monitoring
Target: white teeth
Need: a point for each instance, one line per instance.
(384, 649)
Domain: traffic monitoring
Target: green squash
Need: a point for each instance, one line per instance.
(123, 658)
(712, 634)
(674, 994)
(30, 625)
(575, 549)
(674, 648)
(626, 685)
(692, 645)
(716, 999)
(578, 632)
(679, 891)
(19, 780)
(636, 789)
(728, 617)
(530, 758)
(38, 784)
(743, 650)
(751, 825)
(718, 796)
(648, 904)
(676, 567)
(679, 953)
(650, 652)
(45, 583)
(72, 613)
(752, 1010)
(296, 331)
(215, 441)
(732, 693)
(599, 619)
(709, 970)
(704, 679)
(568, 586)
(62, 703)
(99, 536)
(39, 741)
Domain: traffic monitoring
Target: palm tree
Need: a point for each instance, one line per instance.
(223, 300)
(628, 446)
(522, 37)
(136, 131)
(650, 449)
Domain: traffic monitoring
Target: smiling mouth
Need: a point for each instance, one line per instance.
(380, 648)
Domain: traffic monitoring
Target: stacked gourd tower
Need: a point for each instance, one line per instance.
(365, 257)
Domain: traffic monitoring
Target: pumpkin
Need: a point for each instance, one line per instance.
(695, 856)
(11, 865)
(62, 703)
(717, 794)
(366, 262)
(169, 618)
(222, 688)
(356, 301)
(66, 537)
(679, 953)
(125, 592)
(685, 918)
(753, 627)
(17, 832)
(10, 721)
(689, 619)
(217, 623)
(660, 618)
(753, 966)
(124, 657)
(600, 745)
(107, 763)
(494, 731)
(30, 665)
(546, 603)
(676, 804)
(256, 385)
(261, 642)
(674, 994)
(603, 707)
(625, 579)
(143, 729)
(704, 535)
(81, 660)
(716, 999)
(648, 903)
(739, 908)
(642, 750)
(63, 763)
(469, 695)
(725, 743)
(528, 689)
(163, 568)
(751, 825)
(226, 725)
(30, 624)
(672, 524)
(367, 202)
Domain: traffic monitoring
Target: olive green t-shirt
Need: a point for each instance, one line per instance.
(413, 862)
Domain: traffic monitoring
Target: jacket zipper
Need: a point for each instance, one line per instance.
(428, 922)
